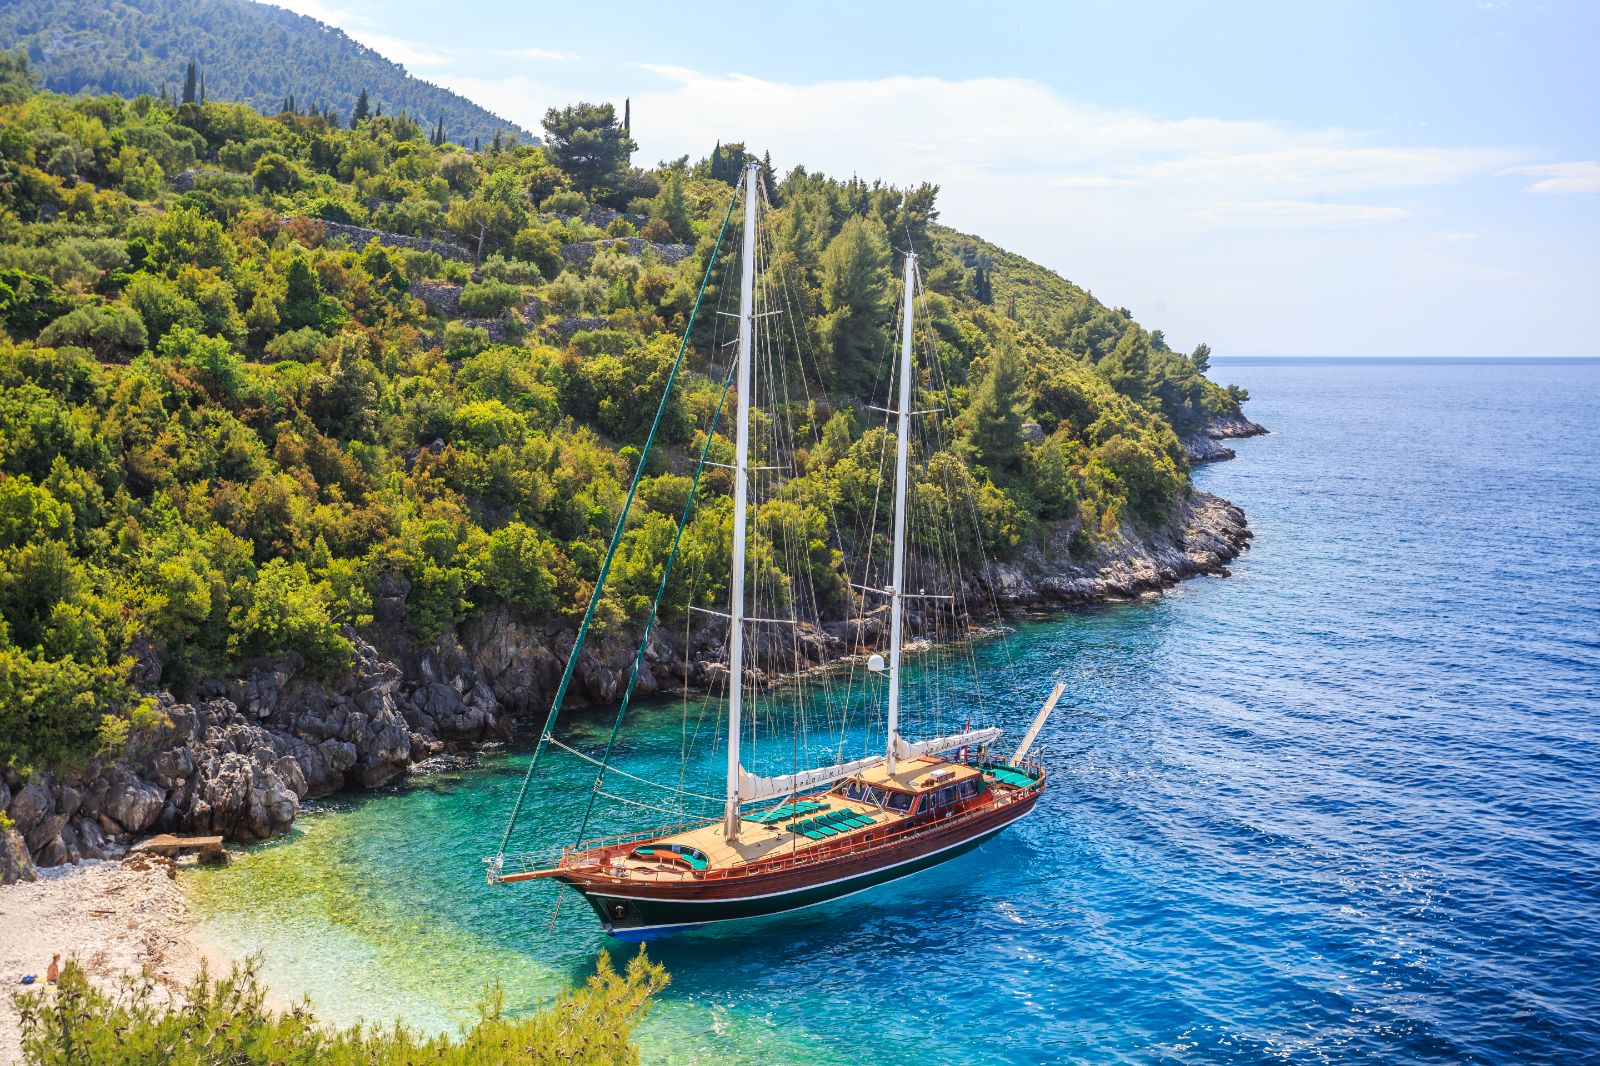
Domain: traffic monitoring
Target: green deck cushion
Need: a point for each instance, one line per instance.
(1007, 775)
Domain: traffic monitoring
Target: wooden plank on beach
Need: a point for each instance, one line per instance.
(209, 848)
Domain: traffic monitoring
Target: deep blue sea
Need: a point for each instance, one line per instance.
(1343, 806)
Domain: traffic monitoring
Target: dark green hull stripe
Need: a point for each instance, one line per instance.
(664, 916)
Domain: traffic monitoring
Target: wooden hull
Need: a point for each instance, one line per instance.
(641, 910)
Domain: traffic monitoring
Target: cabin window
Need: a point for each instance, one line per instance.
(851, 790)
(898, 801)
(969, 788)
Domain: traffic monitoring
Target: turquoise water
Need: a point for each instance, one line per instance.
(1341, 806)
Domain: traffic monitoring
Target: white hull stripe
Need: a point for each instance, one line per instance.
(724, 900)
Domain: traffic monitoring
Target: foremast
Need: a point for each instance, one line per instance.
(902, 448)
(741, 499)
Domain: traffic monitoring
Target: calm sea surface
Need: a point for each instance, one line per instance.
(1343, 806)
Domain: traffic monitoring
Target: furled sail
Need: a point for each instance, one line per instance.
(910, 749)
(753, 788)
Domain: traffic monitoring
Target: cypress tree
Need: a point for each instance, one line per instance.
(438, 132)
(202, 86)
(627, 115)
(188, 83)
(361, 111)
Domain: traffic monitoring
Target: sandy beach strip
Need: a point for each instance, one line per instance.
(113, 918)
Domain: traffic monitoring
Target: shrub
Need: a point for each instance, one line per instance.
(489, 299)
(511, 271)
(332, 209)
(287, 610)
(226, 1020)
(28, 301)
(538, 246)
(566, 202)
(275, 173)
(522, 567)
(657, 231)
(304, 345)
(108, 331)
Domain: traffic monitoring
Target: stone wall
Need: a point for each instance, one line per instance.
(582, 251)
(360, 235)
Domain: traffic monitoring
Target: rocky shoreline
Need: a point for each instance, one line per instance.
(1205, 446)
(239, 758)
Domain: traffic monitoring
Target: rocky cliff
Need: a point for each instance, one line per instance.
(240, 756)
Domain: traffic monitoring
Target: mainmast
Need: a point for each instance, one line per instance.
(901, 451)
(741, 495)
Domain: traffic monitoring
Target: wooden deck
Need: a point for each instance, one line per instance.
(758, 841)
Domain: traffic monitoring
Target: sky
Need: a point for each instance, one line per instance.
(1365, 178)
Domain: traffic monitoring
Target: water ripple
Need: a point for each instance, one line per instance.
(1340, 807)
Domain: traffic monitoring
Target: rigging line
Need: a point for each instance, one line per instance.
(616, 539)
(655, 607)
(632, 777)
(638, 803)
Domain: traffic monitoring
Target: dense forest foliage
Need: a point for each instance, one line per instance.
(221, 422)
(253, 53)
(227, 1021)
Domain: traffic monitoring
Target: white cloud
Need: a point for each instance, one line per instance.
(332, 16)
(1255, 235)
(359, 28)
(400, 51)
(543, 53)
(1296, 214)
(1562, 178)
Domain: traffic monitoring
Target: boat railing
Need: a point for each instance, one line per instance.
(523, 862)
(606, 843)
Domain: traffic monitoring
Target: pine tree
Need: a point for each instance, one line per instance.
(672, 207)
(1128, 365)
(995, 416)
(856, 301)
(189, 83)
(589, 144)
(361, 112)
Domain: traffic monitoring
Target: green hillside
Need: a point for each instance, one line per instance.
(253, 53)
(225, 421)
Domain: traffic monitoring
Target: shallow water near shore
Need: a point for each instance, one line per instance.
(1339, 806)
